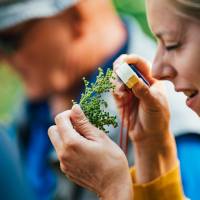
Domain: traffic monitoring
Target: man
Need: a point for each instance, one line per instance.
(52, 44)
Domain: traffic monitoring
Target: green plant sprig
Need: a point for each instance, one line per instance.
(92, 103)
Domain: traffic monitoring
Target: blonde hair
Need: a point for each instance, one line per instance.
(187, 8)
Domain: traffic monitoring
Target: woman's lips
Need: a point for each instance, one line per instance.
(192, 101)
(190, 93)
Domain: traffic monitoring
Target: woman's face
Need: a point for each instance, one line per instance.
(178, 50)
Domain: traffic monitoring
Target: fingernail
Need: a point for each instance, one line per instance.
(119, 60)
(77, 109)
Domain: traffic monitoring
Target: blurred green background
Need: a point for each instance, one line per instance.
(10, 87)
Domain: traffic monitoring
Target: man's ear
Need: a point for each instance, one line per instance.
(72, 16)
(2, 57)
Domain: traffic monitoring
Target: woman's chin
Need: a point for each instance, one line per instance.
(197, 111)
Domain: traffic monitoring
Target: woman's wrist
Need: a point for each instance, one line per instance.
(119, 189)
(154, 157)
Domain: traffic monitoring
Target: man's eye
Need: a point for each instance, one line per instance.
(172, 47)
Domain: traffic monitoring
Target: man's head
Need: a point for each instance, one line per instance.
(52, 51)
(31, 33)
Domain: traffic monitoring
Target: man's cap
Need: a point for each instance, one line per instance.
(13, 12)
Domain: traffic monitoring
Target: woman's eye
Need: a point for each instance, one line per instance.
(172, 47)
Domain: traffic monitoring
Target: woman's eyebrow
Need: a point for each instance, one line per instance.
(162, 34)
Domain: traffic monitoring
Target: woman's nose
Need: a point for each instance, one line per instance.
(163, 73)
(162, 70)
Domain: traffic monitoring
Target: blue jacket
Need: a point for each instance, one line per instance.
(13, 184)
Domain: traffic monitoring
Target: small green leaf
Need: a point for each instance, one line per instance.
(92, 103)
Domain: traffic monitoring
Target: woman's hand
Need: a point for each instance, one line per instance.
(147, 111)
(89, 157)
(146, 107)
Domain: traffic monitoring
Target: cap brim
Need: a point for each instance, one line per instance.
(12, 14)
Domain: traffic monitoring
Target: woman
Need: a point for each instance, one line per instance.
(104, 169)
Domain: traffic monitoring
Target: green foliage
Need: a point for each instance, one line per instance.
(135, 9)
(92, 103)
(11, 92)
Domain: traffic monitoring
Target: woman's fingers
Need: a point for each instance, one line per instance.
(141, 91)
(64, 125)
(152, 98)
(140, 63)
(82, 124)
(72, 128)
(147, 95)
(120, 91)
(55, 138)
